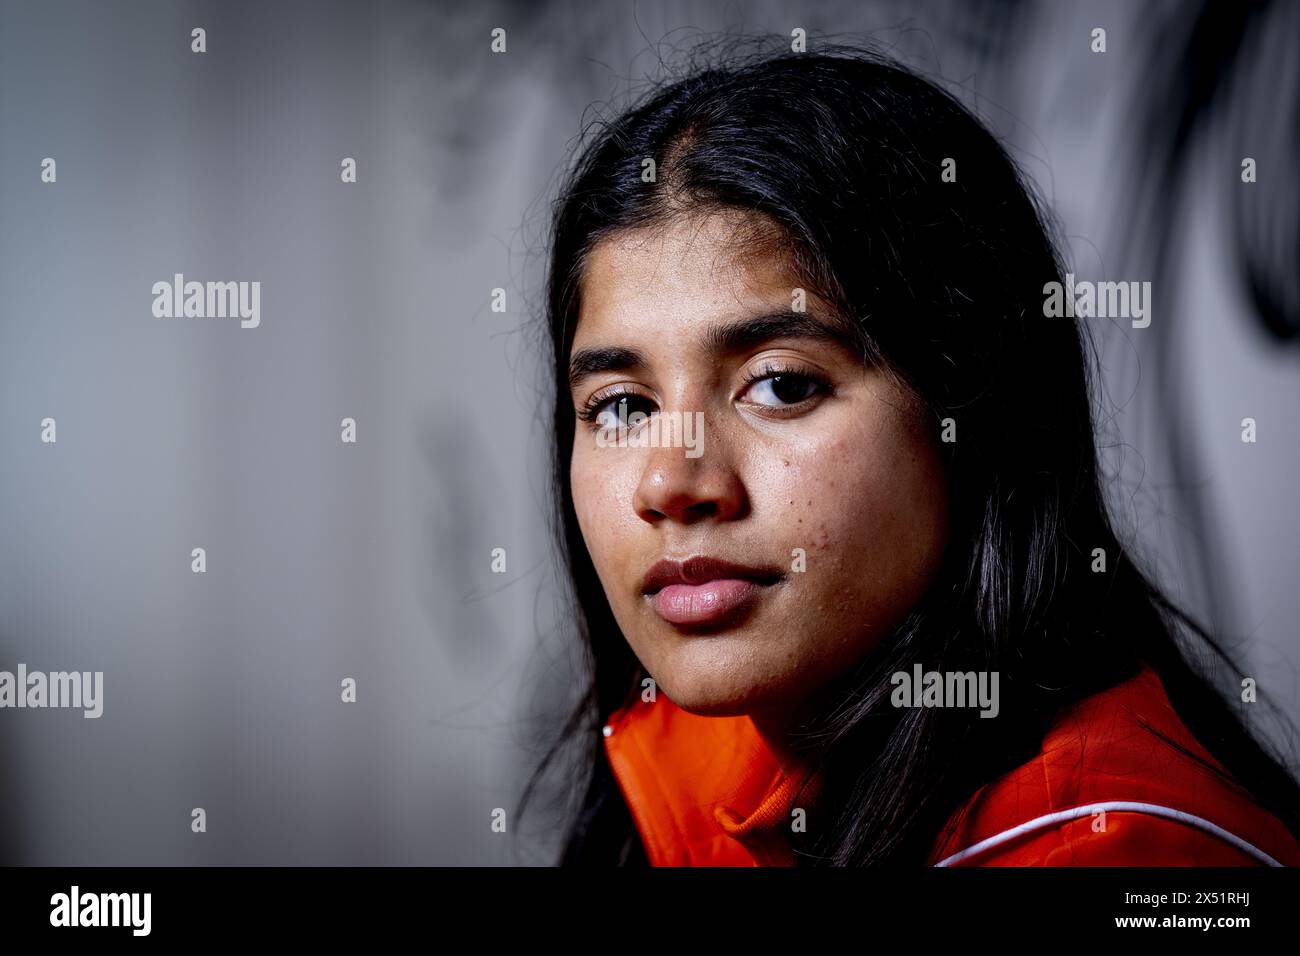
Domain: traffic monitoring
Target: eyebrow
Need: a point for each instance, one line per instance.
(723, 338)
(781, 324)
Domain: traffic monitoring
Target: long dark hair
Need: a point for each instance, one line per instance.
(943, 282)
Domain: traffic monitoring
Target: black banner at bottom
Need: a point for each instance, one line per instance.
(334, 905)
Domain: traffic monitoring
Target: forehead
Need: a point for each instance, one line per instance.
(710, 265)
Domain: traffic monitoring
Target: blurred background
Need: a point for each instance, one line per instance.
(373, 561)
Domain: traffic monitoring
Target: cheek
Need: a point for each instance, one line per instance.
(603, 481)
(865, 500)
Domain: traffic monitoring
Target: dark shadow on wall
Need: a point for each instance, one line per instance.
(1217, 82)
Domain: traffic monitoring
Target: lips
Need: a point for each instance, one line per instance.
(703, 590)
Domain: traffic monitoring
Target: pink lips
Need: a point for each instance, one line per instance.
(702, 603)
(704, 590)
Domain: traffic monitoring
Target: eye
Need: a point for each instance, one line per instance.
(782, 388)
(609, 410)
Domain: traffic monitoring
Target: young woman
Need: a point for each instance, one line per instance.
(829, 500)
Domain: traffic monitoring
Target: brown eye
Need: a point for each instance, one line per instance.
(782, 388)
(610, 411)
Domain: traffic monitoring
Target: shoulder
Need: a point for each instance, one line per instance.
(1116, 784)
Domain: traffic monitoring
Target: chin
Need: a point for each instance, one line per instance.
(719, 692)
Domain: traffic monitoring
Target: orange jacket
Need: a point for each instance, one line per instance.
(1104, 791)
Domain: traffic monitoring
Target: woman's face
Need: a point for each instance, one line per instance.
(810, 479)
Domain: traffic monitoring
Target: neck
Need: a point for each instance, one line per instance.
(780, 730)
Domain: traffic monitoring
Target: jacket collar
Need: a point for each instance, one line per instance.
(703, 791)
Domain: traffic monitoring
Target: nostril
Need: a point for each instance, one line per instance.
(689, 494)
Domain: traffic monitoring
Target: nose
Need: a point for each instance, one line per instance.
(675, 487)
